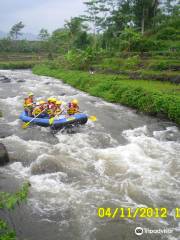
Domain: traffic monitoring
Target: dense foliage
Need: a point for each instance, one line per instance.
(112, 25)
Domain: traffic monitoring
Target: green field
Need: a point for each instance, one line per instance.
(20, 60)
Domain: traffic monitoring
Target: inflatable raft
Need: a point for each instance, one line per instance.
(59, 122)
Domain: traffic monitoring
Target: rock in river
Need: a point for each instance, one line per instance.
(21, 80)
(4, 158)
(4, 79)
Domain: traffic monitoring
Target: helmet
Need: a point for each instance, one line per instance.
(74, 101)
(49, 99)
(42, 102)
(30, 94)
(53, 100)
(58, 102)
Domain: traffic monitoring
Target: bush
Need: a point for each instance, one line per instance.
(132, 62)
(146, 44)
(168, 33)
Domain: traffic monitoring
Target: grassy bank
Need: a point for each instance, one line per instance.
(152, 97)
(18, 64)
(20, 61)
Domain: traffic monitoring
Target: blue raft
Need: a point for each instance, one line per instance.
(59, 122)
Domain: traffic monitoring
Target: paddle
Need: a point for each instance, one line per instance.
(92, 118)
(51, 120)
(25, 125)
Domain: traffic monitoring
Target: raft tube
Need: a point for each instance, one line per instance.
(59, 122)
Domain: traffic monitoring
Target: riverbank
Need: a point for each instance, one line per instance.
(18, 64)
(152, 97)
(20, 61)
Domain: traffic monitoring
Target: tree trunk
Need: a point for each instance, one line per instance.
(143, 21)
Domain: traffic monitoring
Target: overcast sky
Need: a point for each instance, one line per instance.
(37, 14)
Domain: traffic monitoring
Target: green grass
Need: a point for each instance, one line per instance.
(151, 97)
(163, 68)
(18, 64)
(158, 63)
(20, 60)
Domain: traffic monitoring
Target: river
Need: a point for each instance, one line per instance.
(125, 159)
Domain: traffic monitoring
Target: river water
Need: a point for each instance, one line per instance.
(123, 160)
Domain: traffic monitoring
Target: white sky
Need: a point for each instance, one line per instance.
(37, 14)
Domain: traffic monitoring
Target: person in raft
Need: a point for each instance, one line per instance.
(58, 109)
(28, 104)
(73, 107)
(37, 110)
(51, 107)
(40, 107)
(43, 105)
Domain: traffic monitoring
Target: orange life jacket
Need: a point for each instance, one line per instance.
(28, 101)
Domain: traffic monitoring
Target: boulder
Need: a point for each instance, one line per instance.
(21, 80)
(4, 157)
(4, 79)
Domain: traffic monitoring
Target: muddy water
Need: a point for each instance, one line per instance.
(123, 160)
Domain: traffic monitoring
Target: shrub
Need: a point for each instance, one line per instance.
(132, 62)
(168, 33)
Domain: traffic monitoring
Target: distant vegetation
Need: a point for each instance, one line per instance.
(136, 42)
(109, 25)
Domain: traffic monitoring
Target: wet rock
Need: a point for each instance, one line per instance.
(4, 158)
(21, 80)
(176, 79)
(161, 115)
(4, 79)
(62, 94)
(47, 83)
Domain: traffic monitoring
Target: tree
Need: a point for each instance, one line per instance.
(43, 34)
(75, 26)
(82, 41)
(16, 30)
(144, 13)
(59, 40)
(78, 36)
